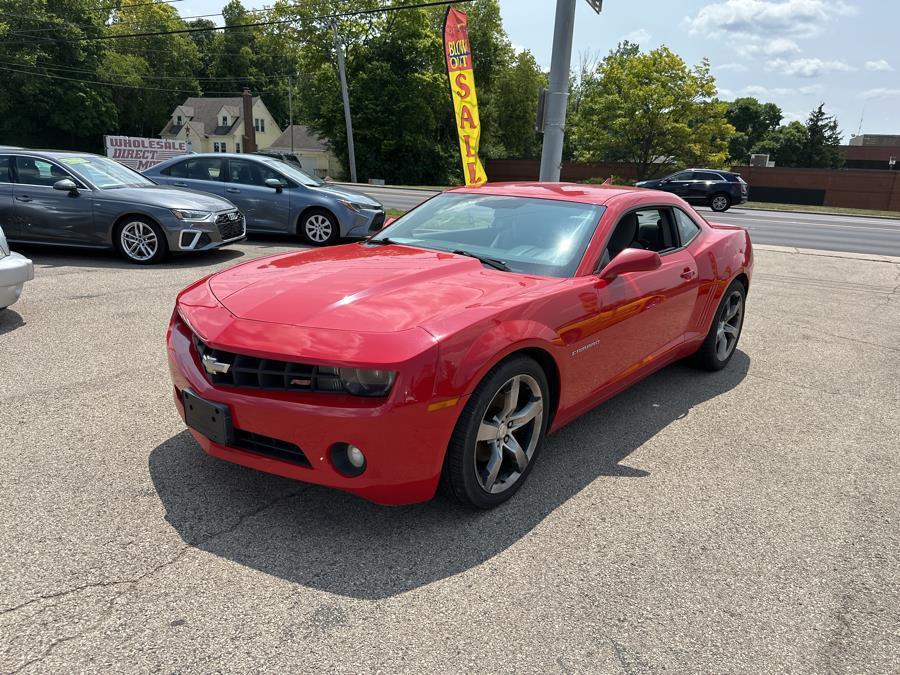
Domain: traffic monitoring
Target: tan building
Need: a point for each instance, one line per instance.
(217, 124)
(309, 149)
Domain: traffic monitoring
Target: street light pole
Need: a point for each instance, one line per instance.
(291, 110)
(350, 149)
(558, 94)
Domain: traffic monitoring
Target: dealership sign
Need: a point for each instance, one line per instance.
(462, 86)
(142, 153)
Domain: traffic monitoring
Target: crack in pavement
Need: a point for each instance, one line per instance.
(131, 583)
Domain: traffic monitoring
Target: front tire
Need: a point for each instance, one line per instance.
(722, 339)
(141, 241)
(498, 435)
(720, 202)
(319, 228)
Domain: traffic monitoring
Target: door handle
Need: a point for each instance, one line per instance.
(23, 198)
(232, 190)
(180, 184)
(688, 273)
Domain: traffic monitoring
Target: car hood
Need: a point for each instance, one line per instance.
(349, 194)
(168, 197)
(373, 289)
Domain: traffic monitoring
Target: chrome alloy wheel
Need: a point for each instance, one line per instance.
(318, 228)
(719, 203)
(139, 241)
(729, 328)
(508, 434)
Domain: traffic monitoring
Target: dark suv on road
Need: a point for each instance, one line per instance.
(719, 190)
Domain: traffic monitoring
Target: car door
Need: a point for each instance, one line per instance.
(203, 173)
(701, 185)
(44, 214)
(7, 220)
(678, 183)
(265, 208)
(639, 316)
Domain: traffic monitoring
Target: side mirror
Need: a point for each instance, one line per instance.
(275, 183)
(387, 221)
(66, 185)
(631, 260)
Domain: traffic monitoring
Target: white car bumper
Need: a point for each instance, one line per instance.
(15, 270)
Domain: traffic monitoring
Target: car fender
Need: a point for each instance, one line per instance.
(464, 362)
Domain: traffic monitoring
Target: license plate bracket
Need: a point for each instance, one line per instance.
(213, 420)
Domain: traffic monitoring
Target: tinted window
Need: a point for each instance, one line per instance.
(32, 171)
(200, 168)
(687, 228)
(6, 170)
(682, 175)
(248, 172)
(707, 175)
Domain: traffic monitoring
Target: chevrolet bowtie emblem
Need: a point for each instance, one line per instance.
(214, 366)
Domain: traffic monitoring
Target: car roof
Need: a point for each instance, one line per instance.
(585, 193)
(53, 154)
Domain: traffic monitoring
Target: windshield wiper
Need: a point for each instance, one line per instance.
(493, 262)
(383, 241)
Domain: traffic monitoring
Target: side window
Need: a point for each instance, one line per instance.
(683, 175)
(201, 168)
(32, 171)
(708, 175)
(248, 172)
(6, 170)
(654, 231)
(687, 228)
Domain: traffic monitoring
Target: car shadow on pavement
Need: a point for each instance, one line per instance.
(100, 258)
(331, 541)
(10, 320)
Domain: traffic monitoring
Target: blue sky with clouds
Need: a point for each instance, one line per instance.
(796, 53)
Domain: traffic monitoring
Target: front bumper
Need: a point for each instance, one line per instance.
(15, 270)
(224, 229)
(361, 223)
(404, 442)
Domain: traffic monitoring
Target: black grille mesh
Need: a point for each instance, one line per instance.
(270, 447)
(229, 229)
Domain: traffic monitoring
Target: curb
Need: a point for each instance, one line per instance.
(747, 209)
(791, 250)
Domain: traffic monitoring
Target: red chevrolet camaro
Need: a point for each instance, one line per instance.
(445, 348)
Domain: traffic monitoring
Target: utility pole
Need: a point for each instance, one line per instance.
(554, 120)
(291, 110)
(340, 57)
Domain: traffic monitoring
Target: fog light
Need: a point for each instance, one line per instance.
(348, 459)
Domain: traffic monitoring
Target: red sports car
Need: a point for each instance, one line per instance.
(444, 348)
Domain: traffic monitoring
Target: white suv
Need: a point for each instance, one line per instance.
(15, 270)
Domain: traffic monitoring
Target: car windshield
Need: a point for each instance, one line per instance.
(294, 173)
(532, 236)
(104, 172)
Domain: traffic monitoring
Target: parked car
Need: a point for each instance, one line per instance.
(720, 190)
(450, 343)
(276, 196)
(15, 270)
(80, 199)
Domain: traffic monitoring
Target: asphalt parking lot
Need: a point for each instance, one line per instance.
(744, 521)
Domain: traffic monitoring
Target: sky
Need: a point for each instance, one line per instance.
(795, 53)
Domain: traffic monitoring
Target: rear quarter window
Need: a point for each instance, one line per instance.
(687, 228)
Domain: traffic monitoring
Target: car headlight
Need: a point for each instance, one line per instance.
(192, 216)
(354, 206)
(364, 382)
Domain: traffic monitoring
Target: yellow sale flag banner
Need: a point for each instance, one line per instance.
(462, 85)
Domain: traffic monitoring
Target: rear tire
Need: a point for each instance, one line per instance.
(725, 332)
(720, 202)
(498, 435)
(140, 241)
(319, 227)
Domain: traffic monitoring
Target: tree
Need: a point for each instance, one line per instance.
(652, 110)
(824, 140)
(753, 122)
(516, 100)
(786, 146)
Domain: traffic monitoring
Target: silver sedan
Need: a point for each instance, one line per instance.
(15, 270)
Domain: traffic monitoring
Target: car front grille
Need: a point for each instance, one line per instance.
(238, 370)
(270, 447)
(377, 222)
(231, 224)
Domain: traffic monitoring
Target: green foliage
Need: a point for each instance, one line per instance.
(815, 144)
(650, 109)
(753, 122)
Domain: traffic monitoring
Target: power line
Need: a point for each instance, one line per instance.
(64, 69)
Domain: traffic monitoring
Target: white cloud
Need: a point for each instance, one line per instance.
(879, 66)
(788, 117)
(809, 67)
(639, 36)
(764, 19)
(733, 67)
(880, 92)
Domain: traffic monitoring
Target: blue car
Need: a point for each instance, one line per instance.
(275, 196)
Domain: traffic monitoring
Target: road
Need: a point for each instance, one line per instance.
(742, 521)
(854, 234)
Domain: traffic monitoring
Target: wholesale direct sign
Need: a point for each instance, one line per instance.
(462, 85)
(142, 153)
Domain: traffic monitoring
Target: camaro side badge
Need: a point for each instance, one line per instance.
(213, 366)
(586, 347)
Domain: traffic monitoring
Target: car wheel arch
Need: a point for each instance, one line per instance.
(307, 211)
(121, 220)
